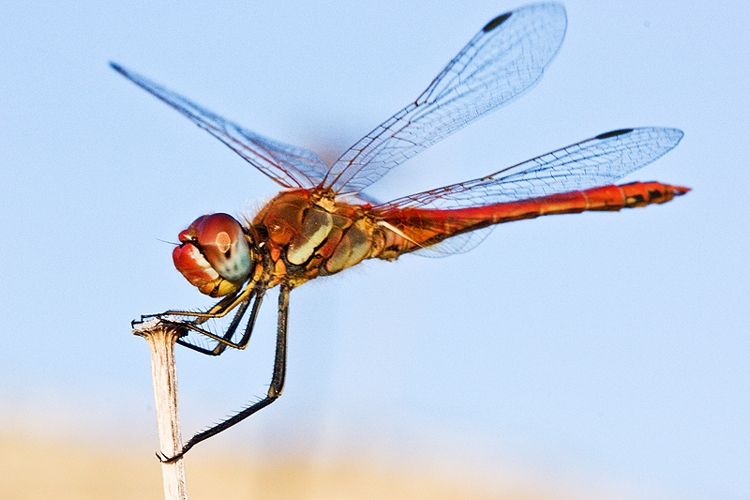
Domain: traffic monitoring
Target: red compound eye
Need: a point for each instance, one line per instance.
(223, 243)
(213, 244)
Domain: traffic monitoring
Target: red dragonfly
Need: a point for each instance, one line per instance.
(323, 223)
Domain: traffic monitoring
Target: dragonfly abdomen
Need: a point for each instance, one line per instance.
(409, 229)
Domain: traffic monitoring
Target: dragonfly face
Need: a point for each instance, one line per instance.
(215, 254)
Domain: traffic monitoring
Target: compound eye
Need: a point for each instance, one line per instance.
(223, 243)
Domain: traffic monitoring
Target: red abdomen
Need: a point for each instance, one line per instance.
(419, 227)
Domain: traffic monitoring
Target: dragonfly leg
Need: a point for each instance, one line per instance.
(222, 341)
(240, 301)
(225, 340)
(274, 391)
(218, 310)
(242, 343)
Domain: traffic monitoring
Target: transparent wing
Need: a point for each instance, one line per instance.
(504, 60)
(290, 166)
(460, 243)
(591, 163)
(595, 162)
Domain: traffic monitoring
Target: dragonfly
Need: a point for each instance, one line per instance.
(324, 222)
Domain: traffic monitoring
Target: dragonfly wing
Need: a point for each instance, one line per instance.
(591, 163)
(504, 60)
(290, 166)
(595, 162)
(460, 243)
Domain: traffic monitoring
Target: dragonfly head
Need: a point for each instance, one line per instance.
(214, 254)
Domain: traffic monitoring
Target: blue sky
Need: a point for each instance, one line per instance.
(604, 350)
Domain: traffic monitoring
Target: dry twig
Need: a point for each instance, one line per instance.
(161, 339)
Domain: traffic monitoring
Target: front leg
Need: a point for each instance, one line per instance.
(218, 310)
(240, 301)
(274, 391)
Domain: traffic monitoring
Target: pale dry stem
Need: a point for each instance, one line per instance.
(161, 339)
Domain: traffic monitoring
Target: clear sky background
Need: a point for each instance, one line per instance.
(602, 353)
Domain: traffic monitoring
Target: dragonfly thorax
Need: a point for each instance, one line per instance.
(307, 235)
(214, 254)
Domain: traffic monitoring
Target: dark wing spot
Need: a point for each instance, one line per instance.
(496, 22)
(614, 133)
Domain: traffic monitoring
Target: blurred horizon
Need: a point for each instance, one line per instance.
(82, 471)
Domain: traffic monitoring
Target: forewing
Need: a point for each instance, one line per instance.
(290, 166)
(504, 60)
(594, 162)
